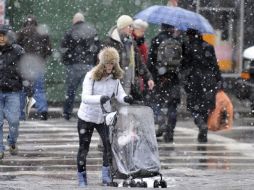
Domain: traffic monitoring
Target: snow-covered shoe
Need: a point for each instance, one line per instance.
(13, 149)
(1, 155)
(202, 136)
(82, 179)
(105, 173)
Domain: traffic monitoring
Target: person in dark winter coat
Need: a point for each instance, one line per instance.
(166, 95)
(37, 46)
(80, 46)
(138, 34)
(99, 86)
(130, 58)
(201, 78)
(10, 87)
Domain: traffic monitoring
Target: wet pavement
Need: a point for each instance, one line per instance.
(47, 157)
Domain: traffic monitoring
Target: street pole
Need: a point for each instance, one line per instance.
(198, 6)
(241, 40)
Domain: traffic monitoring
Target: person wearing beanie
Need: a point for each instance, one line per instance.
(79, 47)
(138, 34)
(10, 87)
(99, 86)
(120, 37)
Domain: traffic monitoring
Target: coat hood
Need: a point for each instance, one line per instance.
(114, 34)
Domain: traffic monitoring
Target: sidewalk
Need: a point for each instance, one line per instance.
(224, 163)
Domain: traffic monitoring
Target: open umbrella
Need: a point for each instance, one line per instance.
(175, 16)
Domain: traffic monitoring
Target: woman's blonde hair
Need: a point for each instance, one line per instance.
(107, 55)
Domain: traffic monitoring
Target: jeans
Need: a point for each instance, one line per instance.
(39, 95)
(9, 109)
(74, 77)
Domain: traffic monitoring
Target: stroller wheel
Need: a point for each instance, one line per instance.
(138, 184)
(112, 184)
(156, 184)
(125, 184)
(132, 183)
(163, 184)
(143, 184)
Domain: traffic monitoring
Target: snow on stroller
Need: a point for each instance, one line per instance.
(134, 146)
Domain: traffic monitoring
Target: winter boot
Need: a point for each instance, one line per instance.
(202, 125)
(169, 135)
(82, 179)
(1, 155)
(13, 149)
(43, 115)
(161, 129)
(202, 135)
(105, 173)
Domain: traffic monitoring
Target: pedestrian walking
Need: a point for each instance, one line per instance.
(201, 78)
(80, 46)
(99, 86)
(138, 34)
(37, 46)
(10, 87)
(120, 37)
(164, 60)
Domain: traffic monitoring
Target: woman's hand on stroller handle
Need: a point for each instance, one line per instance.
(128, 99)
(104, 99)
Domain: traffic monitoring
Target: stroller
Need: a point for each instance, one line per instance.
(134, 146)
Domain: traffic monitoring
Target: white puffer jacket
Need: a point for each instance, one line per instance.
(90, 108)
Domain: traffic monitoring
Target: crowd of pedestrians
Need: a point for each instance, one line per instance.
(123, 67)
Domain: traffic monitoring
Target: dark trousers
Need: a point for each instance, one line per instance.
(74, 77)
(200, 119)
(85, 132)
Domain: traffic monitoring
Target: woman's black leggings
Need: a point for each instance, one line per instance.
(85, 131)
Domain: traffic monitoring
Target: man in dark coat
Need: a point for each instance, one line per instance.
(166, 95)
(130, 58)
(37, 45)
(10, 87)
(80, 46)
(201, 78)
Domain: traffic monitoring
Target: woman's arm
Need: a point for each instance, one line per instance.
(87, 91)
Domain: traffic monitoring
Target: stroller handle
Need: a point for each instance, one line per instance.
(104, 111)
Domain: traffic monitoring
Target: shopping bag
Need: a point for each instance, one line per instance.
(30, 101)
(221, 118)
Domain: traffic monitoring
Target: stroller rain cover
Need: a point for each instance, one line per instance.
(133, 142)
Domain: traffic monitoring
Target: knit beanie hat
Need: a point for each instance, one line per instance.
(109, 55)
(124, 21)
(140, 24)
(78, 17)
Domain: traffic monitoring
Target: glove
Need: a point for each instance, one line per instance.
(128, 99)
(104, 99)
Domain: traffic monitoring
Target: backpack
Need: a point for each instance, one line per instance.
(169, 55)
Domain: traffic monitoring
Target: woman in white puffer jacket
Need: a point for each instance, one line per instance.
(99, 86)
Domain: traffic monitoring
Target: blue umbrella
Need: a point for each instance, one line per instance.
(175, 16)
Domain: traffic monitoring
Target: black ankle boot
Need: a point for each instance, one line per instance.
(202, 136)
(44, 116)
(168, 137)
(159, 132)
(169, 134)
